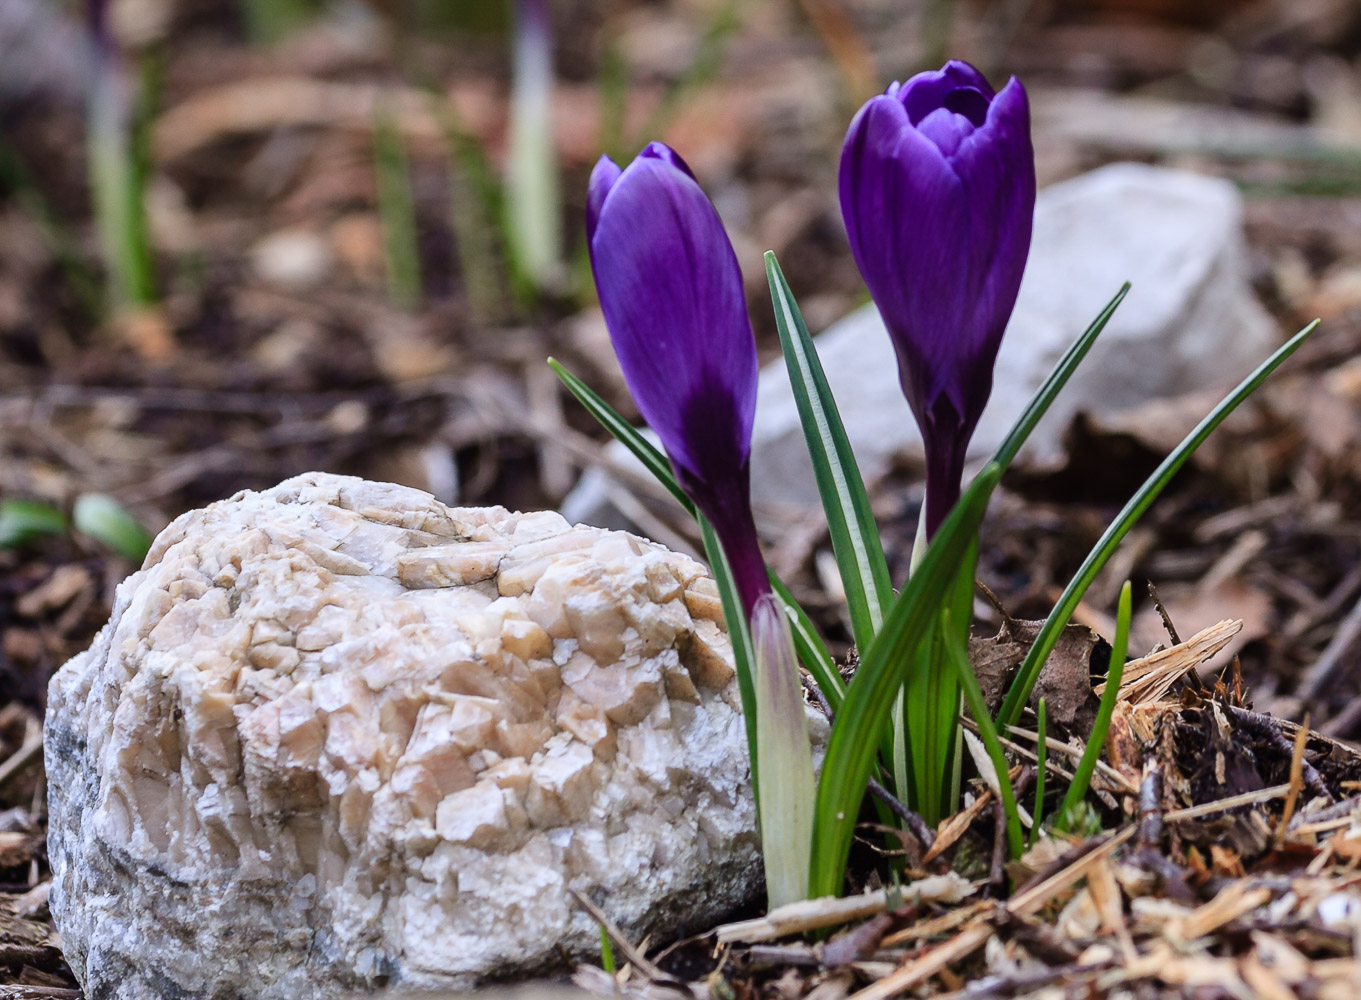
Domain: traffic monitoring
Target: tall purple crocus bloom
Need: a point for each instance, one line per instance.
(672, 296)
(938, 195)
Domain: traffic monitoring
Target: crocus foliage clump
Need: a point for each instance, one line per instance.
(937, 189)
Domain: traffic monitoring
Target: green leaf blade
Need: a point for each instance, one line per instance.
(397, 212)
(106, 520)
(1086, 767)
(850, 523)
(812, 650)
(1041, 769)
(23, 520)
(957, 654)
(625, 433)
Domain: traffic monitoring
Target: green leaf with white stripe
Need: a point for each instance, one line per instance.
(738, 634)
(957, 655)
(850, 524)
(1096, 742)
(625, 433)
(812, 653)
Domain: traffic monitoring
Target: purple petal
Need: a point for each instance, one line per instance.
(968, 103)
(946, 442)
(928, 91)
(938, 193)
(726, 502)
(671, 291)
(903, 205)
(604, 175)
(997, 168)
(946, 129)
(661, 151)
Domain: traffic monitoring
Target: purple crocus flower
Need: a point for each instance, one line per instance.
(938, 195)
(672, 296)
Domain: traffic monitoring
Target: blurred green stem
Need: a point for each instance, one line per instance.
(534, 198)
(474, 189)
(708, 58)
(118, 165)
(475, 200)
(269, 21)
(396, 208)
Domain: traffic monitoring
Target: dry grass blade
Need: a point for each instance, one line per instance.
(1116, 779)
(1332, 657)
(1344, 812)
(953, 828)
(1032, 898)
(21, 759)
(938, 926)
(1232, 802)
(828, 911)
(1296, 782)
(923, 968)
(631, 954)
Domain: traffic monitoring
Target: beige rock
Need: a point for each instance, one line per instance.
(337, 735)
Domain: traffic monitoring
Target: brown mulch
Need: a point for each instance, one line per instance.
(1227, 866)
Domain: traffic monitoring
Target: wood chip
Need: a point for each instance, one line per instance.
(1296, 782)
(1235, 900)
(921, 969)
(1147, 679)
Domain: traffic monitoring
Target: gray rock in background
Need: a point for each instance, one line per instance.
(1190, 322)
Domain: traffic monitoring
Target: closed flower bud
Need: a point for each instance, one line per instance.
(938, 196)
(671, 291)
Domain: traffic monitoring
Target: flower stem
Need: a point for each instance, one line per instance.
(944, 476)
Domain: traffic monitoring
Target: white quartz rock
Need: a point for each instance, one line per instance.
(1190, 322)
(337, 735)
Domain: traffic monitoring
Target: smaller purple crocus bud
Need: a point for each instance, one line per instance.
(938, 196)
(671, 291)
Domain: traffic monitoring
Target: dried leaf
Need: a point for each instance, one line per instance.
(1065, 678)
